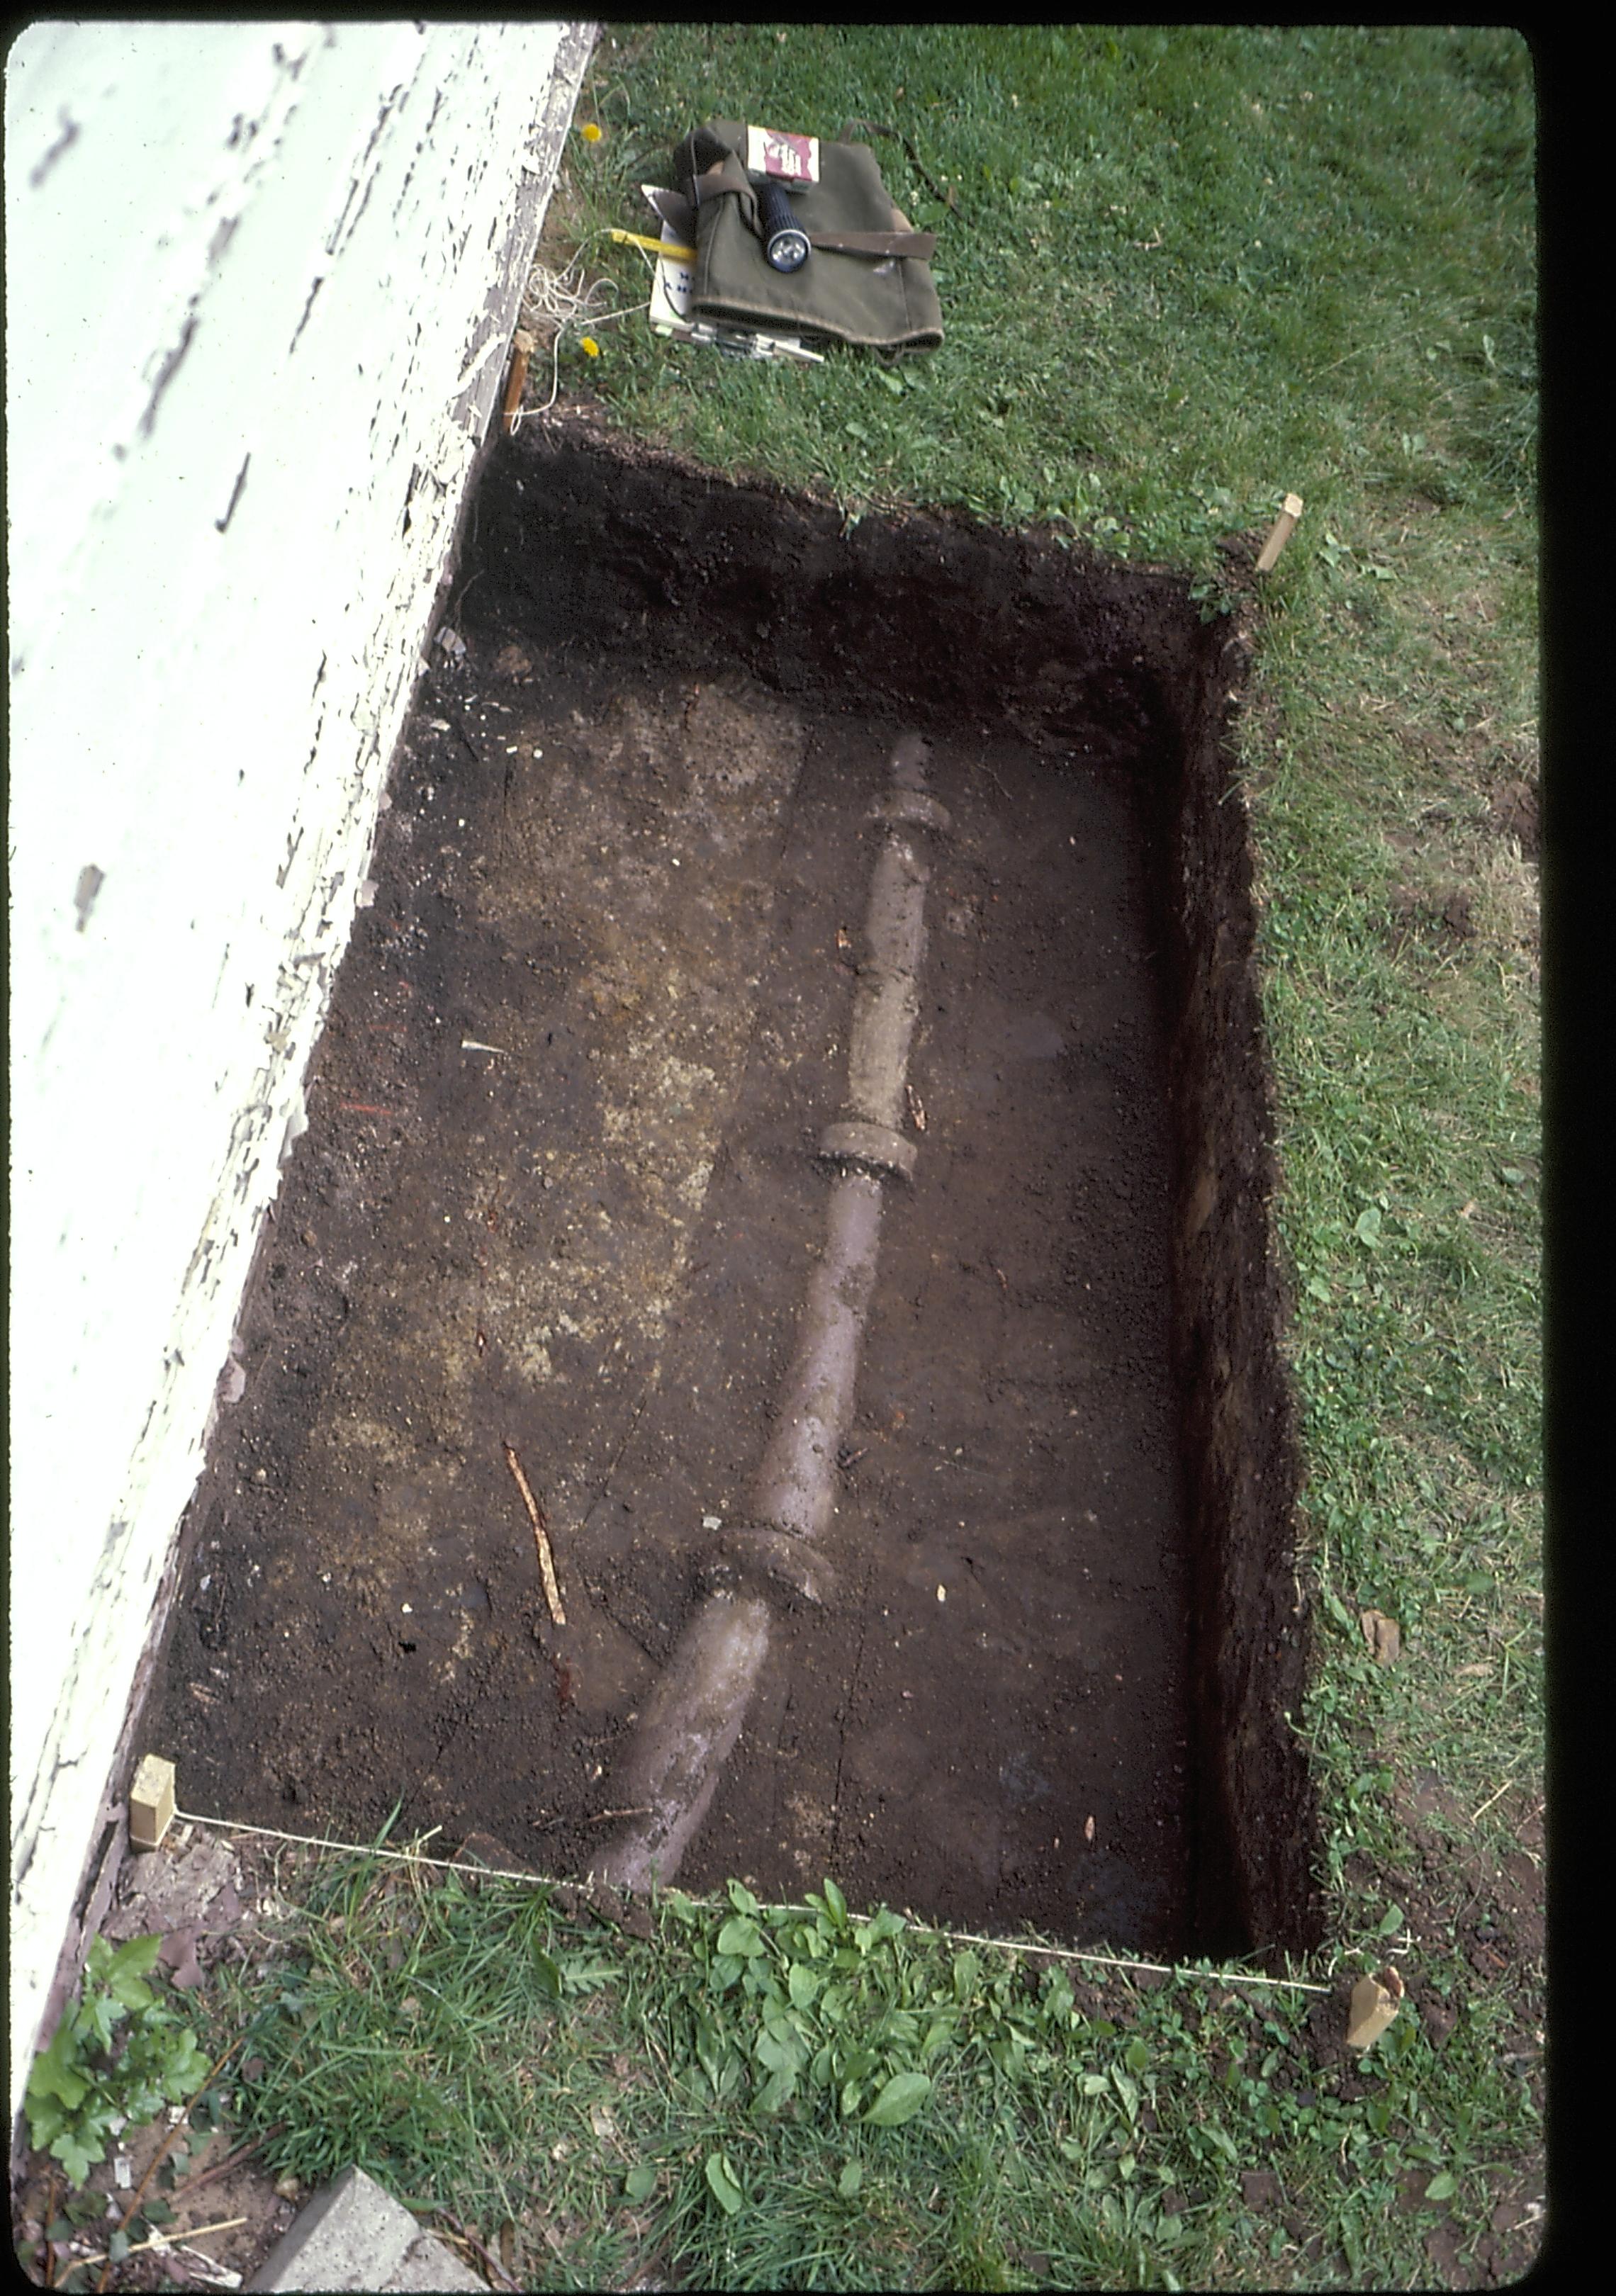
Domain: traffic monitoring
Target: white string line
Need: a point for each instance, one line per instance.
(557, 298)
(1115, 1961)
(917, 1928)
(360, 1849)
(597, 319)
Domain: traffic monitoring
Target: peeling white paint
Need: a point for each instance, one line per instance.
(259, 281)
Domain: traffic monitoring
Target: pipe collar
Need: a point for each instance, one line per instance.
(770, 1563)
(870, 1148)
(912, 809)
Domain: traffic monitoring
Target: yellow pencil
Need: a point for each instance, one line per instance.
(657, 246)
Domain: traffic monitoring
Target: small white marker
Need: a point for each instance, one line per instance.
(942, 1594)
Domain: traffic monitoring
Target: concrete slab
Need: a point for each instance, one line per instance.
(355, 2235)
(430, 2266)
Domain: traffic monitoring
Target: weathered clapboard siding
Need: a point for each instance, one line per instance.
(261, 281)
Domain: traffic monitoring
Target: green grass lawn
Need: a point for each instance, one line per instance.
(1182, 271)
(773, 2096)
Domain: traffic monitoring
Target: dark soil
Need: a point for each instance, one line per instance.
(557, 1191)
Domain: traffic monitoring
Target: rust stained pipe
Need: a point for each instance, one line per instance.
(694, 1715)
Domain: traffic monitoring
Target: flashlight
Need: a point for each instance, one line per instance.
(785, 243)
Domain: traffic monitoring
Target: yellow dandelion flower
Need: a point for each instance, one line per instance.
(591, 347)
(591, 133)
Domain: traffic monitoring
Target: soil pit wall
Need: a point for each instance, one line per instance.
(558, 1192)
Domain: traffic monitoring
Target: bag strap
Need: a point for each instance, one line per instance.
(918, 243)
(729, 181)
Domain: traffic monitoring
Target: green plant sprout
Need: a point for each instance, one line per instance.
(93, 2080)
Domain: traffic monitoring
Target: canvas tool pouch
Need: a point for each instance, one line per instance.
(867, 280)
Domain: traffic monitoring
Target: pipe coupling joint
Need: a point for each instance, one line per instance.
(911, 808)
(873, 1148)
(754, 1559)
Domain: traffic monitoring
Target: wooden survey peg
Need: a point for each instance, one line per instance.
(1280, 533)
(152, 1802)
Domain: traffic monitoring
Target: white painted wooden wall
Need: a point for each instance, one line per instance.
(260, 284)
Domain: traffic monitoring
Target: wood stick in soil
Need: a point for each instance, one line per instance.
(546, 1561)
(162, 2240)
(163, 2150)
(223, 2167)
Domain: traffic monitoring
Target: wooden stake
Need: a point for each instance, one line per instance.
(1280, 533)
(546, 1561)
(521, 352)
(152, 1802)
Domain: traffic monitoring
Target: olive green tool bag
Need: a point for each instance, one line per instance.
(867, 280)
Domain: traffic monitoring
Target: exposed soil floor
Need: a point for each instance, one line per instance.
(558, 1191)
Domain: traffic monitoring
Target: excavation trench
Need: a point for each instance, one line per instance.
(1007, 1628)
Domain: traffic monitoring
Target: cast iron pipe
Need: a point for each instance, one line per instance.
(693, 1717)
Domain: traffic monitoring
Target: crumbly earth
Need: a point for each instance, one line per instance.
(558, 1193)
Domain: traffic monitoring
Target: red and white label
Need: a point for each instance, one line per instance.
(796, 158)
